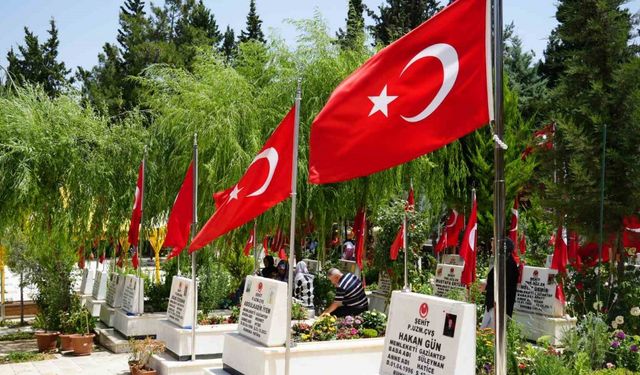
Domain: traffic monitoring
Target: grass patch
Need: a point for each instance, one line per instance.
(18, 357)
(17, 336)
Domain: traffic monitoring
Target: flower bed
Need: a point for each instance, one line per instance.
(369, 324)
(207, 320)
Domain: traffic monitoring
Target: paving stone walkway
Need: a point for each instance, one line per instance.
(100, 363)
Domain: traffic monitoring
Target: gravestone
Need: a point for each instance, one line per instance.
(453, 259)
(429, 335)
(133, 295)
(263, 311)
(537, 292)
(548, 260)
(115, 290)
(379, 299)
(180, 307)
(86, 286)
(100, 286)
(312, 265)
(384, 284)
(447, 278)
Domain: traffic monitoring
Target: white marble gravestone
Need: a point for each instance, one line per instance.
(86, 286)
(429, 335)
(180, 307)
(537, 292)
(263, 311)
(100, 286)
(384, 284)
(115, 289)
(447, 278)
(133, 295)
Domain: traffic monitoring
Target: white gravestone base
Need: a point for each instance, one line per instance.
(165, 364)
(107, 314)
(137, 325)
(243, 356)
(535, 326)
(429, 335)
(94, 306)
(209, 339)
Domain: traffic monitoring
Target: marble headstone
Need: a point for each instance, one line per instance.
(263, 311)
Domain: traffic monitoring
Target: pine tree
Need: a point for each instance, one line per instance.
(593, 62)
(102, 85)
(38, 63)
(398, 17)
(353, 37)
(228, 47)
(254, 26)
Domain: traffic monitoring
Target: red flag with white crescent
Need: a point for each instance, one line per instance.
(468, 247)
(560, 251)
(266, 182)
(420, 93)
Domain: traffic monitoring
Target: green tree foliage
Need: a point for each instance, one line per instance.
(353, 36)
(228, 47)
(398, 17)
(254, 26)
(38, 63)
(597, 85)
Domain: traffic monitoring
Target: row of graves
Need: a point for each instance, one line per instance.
(424, 334)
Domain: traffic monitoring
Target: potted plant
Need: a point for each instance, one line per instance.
(68, 324)
(141, 352)
(82, 340)
(47, 340)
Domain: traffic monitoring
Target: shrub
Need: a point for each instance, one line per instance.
(369, 333)
(623, 351)
(298, 312)
(323, 292)
(374, 320)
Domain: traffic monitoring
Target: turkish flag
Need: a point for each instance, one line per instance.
(397, 244)
(265, 245)
(513, 230)
(250, 242)
(468, 247)
(560, 293)
(360, 228)
(136, 213)
(522, 246)
(135, 261)
(411, 201)
(560, 251)
(266, 183)
(631, 234)
(282, 254)
(276, 242)
(588, 253)
(418, 94)
(442, 243)
(181, 217)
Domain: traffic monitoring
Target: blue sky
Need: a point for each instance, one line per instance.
(85, 25)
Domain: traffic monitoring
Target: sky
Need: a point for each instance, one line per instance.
(85, 25)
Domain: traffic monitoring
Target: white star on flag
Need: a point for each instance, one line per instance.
(381, 102)
(234, 193)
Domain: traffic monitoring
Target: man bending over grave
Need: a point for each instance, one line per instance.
(350, 298)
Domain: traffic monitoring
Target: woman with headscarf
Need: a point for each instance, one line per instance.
(303, 286)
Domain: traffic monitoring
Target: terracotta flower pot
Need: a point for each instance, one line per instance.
(65, 342)
(82, 344)
(47, 341)
(135, 370)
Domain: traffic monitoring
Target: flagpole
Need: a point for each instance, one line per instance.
(194, 228)
(292, 227)
(144, 176)
(499, 202)
(256, 256)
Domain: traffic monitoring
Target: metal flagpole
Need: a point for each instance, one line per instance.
(256, 256)
(405, 288)
(499, 280)
(292, 228)
(194, 228)
(144, 175)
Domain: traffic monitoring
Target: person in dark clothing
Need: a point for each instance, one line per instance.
(282, 271)
(512, 287)
(269, 270)
(350, 297)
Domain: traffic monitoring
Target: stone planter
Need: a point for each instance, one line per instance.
(82, 344)
(47, 341)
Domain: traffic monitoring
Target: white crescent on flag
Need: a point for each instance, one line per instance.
(271, 154)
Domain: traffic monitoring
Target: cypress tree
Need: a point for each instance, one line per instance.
(353, 36)
(398, 17)
(38, 63)
(254, 26)
(228, 46)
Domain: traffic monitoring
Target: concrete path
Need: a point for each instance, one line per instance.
(100, 363)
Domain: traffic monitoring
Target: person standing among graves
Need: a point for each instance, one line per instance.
(303, 286)
(512, 287)
(282, 271)
(350, 297)
(269, 269)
